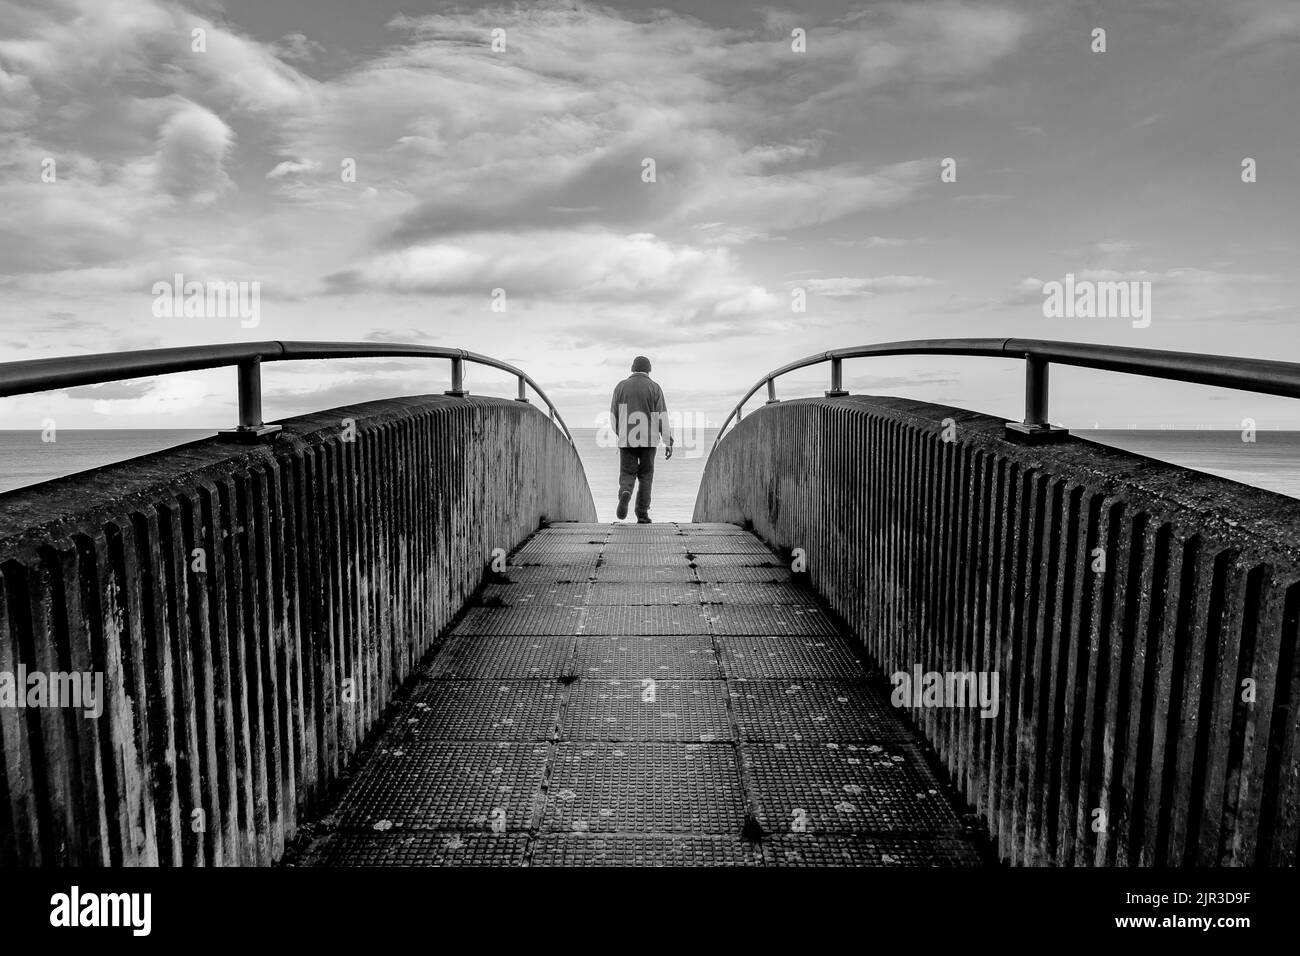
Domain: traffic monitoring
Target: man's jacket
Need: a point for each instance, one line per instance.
(638, 414)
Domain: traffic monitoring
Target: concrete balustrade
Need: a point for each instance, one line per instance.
(1143, 619)
(252, 609)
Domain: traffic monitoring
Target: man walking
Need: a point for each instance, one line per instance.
(639, 417)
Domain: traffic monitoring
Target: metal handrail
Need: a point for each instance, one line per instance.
(1253, 375)
(40, 375)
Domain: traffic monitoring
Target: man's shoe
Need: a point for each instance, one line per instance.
(623, 498)
(642, 520)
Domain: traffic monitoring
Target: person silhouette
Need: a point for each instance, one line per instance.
(638, 415)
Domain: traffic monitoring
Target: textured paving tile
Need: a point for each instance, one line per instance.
(641, 619)
(642, 557)
(645, 787)
(647, 709)
(733, 592)
(418, 848)
(620, 697)
(544, 574)
(474, 657)
(755, 657)
(849, 850)
(676, 573)
(651, 655)
(637, 849)
(736, 561)
(564, 544)
(523, 621)
(441, 785)
(770, 574)
(754, 619)
(637, 592)
(480, 710)
(875, 788)
(659, 546)
(803, 710)
(527, 594)
(726, 544)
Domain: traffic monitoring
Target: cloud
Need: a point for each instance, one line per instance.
(291, 167)
(296, 48)
(192, 148)
(868, 285)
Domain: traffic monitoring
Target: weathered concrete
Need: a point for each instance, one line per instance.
(710, 715)
(1148, 706)
(252, 609)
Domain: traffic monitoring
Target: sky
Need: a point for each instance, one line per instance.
(500, 199)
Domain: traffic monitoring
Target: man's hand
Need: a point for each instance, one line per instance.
(668, 452)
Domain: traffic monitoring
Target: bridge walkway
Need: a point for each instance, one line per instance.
(664, 694)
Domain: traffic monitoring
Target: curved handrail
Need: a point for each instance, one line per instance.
(39, 375)
(1252, 375)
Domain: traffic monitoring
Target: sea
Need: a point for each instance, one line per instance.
(1272, 461)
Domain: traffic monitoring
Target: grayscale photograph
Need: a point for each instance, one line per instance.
(725, 443)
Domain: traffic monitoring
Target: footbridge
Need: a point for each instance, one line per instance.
(894, 634)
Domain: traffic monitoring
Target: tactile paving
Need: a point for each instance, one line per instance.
(644, 787)
(630, 592)
(473, 657)
(648, 708)
(418, 848)
(750, 657)
(874, 788)
(646, 619)
(642, 557)
(523, 595)
(532, 718)
(542, 574)
(675, 573)
(561, 544)
(440, 785)
(648, 655)
(803, 710)
(779, 619)
(532, 621)
(706, 560)
(644, 849)
(480, 710)
(848, 850)
(745, 593)
(575, 560)
(771, 574)
(726, 544)
(667, 545)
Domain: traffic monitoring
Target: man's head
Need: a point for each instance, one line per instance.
(640, 364)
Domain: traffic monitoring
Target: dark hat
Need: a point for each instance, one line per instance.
(640, 364)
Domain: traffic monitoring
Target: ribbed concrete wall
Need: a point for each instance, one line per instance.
(323, 561)
(1147, 710)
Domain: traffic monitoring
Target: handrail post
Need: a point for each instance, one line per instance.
(249, 391)
(457, 378)
(523, 393)
(1036, 427)
(771, 392)
(837, 379)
